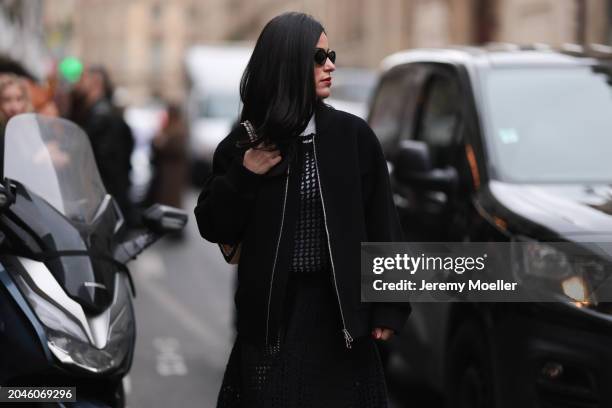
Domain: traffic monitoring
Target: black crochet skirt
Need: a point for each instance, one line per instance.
(309, 365)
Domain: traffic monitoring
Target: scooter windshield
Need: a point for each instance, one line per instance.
(52, 157)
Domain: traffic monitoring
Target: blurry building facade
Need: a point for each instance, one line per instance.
(143, 42)
(365, 31)
(21, 34)
(553, 22)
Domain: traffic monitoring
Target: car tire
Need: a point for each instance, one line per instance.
(469, 382)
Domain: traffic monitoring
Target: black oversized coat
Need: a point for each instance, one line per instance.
(237, 205)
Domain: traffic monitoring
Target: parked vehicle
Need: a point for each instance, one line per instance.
(66, 315)
(504, 145)
(351, 90)
(214, 73)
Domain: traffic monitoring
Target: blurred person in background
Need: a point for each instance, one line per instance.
(41, 95)
(43, 98)
(10, 66)
(110, 137)
(14, 98)
(169, 160)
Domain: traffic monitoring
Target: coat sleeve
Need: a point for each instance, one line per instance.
(382, 225)
(227, 199)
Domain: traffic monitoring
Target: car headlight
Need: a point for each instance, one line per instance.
(573, 275)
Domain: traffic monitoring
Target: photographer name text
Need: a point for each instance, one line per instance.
(459, 287)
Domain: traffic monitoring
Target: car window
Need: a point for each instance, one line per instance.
(414, 97)
(440, 113)
(550, 124)
(440, 116)
(385, 117)
(219, 106)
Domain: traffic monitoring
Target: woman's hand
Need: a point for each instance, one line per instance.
(381, 333)
(260, 161)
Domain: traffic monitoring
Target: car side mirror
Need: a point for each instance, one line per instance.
(412, 157)
(413, 166)
(164, 219)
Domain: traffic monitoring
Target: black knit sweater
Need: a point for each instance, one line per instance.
(310, 250)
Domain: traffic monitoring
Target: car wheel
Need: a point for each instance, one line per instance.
(468, 375)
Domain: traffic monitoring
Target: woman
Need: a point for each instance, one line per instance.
(299, 199)
(14, 98)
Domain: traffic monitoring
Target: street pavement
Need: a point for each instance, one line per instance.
(184, 307)
(183, 315)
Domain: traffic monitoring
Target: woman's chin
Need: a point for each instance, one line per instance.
(324, 93)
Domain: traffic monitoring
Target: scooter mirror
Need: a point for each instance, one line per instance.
(164, 219)
(159, 220)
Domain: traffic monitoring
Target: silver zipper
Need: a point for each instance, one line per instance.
(280, 233)
(347, 336)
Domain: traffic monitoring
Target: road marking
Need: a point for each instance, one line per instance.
(217, 344)
(169, 358)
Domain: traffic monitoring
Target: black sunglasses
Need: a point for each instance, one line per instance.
(321, 56)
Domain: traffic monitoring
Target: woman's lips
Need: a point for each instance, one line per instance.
(327, 81)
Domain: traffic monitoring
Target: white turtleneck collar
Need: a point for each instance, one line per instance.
(310, 128)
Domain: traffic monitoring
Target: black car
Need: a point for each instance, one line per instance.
(502, 145)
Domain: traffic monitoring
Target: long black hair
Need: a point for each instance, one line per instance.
(277, 87)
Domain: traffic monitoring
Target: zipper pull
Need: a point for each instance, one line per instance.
(347, 338)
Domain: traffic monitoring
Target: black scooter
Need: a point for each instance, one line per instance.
(66, 314)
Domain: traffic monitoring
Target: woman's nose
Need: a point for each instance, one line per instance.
(329, 66)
